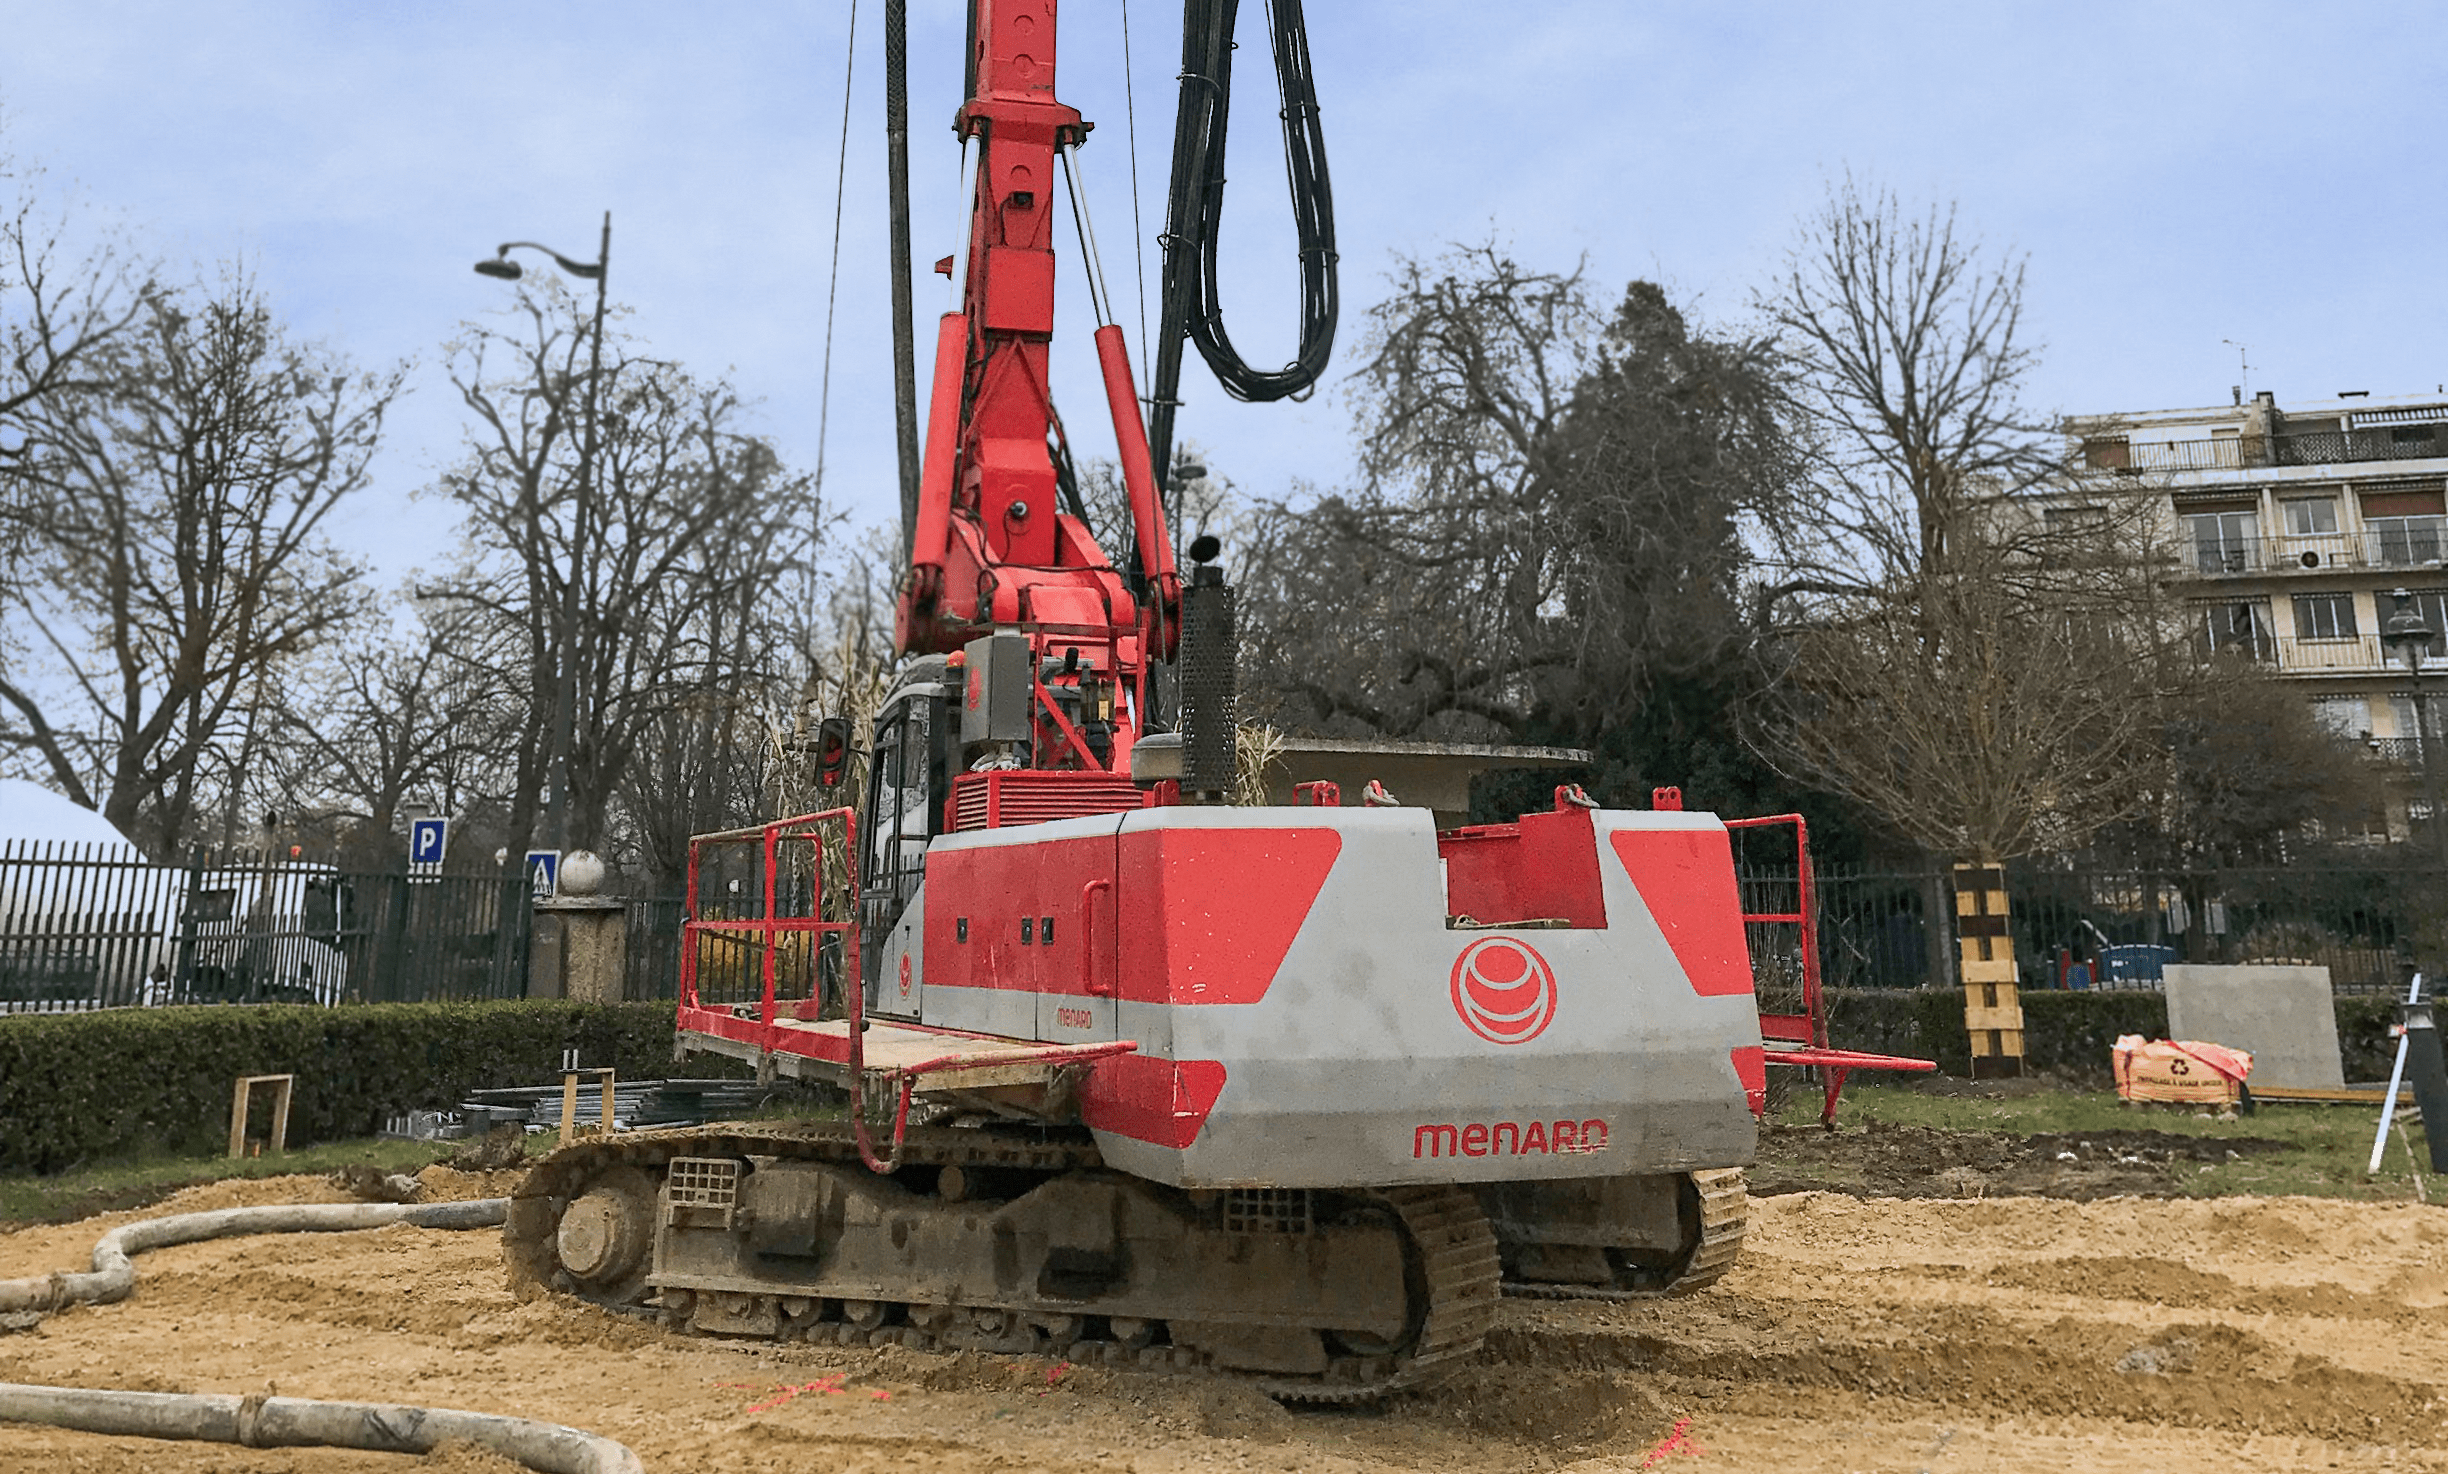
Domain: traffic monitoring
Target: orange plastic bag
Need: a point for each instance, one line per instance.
(2179, 1071)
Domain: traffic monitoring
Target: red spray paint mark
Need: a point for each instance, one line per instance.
(783, 1393)
(1676, 1444)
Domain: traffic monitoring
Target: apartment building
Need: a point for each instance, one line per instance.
(2296, 528)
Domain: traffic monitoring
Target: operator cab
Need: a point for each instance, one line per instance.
(906, 784)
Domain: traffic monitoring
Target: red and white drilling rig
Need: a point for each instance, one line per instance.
(1288, 1094)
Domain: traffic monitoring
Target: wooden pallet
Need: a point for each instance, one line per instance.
(2350, 1095)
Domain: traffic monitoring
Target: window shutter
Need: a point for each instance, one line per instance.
(2400, 502)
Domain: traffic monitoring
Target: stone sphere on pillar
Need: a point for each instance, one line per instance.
(582, 873)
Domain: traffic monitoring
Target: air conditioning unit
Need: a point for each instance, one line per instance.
(2309, 559)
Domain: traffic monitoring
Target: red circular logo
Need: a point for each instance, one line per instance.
(1503, 990)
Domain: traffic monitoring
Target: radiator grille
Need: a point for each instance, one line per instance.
(1025, 796)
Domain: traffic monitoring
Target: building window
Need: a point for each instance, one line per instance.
(2324, 617)
(2411, 434)
(2073, 521)
(2109, 453)
(2347, 716)
(2311, 516)
(2403, 542)
(2239, 627)
(2428, 605)
(2223, 541)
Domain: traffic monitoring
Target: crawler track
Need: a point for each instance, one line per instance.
(1449, 1251)
(1724, 1209)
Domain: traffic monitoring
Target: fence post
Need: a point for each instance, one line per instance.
(514, 915)
(183, 977)
(1938, 929)
(393, 951)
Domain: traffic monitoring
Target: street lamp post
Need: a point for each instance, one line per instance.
(565, 697)
(2406, 636)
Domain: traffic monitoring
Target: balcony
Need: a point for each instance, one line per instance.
(2317, 657)
(2411, 549)
(2226, 453)
(2239, 453)
(2339, 447)
(2296, 655)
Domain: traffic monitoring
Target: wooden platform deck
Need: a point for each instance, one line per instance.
(939, 1058)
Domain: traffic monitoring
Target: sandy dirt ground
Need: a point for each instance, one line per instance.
(1918, 1336)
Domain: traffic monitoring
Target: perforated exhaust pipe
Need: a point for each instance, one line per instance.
(1210, 653)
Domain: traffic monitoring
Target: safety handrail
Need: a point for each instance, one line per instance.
(1805, 918)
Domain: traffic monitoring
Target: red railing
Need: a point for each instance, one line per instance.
(1810, 1025)
(766, 926)
(1800, 1040)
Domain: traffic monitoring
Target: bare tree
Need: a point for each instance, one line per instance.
(1906, 360)
(169, 513)
(678, 543)
(1983, 685)
(59, 311)
(421, 713)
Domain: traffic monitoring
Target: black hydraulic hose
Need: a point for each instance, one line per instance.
(1194, 214)
(905, 347)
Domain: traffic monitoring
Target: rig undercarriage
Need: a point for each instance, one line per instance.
(1021, 1242)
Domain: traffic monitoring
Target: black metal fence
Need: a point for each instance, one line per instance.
(2116, 928)
(99, 926)
(654, 945)
(86, 927)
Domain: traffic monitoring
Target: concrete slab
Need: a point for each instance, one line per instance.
(2284, 1015)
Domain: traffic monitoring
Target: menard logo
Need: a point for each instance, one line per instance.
(1510, 1139)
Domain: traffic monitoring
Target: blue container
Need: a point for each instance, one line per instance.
(2134, 962)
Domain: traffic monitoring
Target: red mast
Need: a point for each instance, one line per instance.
(992, 549)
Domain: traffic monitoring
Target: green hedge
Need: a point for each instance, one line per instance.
(82, 1086)
(79, 1087)
(2068, 1034)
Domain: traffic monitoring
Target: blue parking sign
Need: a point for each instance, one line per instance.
(426, 840)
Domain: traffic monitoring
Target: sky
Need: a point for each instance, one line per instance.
(2181, 177)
